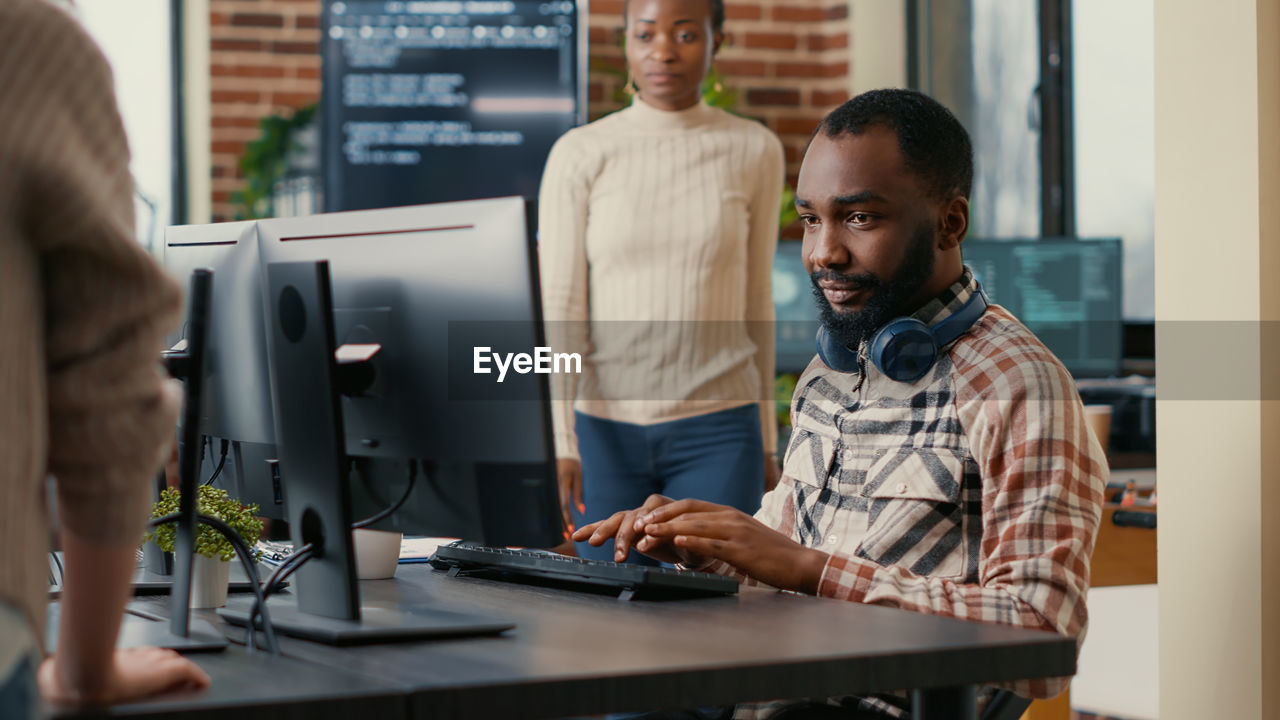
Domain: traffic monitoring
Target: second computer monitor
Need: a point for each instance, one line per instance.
(1068, 291)
(237, 409)
(426, 289)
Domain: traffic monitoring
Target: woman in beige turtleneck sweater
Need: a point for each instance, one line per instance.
(82, 314)
(657, 229)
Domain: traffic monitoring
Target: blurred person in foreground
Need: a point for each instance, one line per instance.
(83, 310)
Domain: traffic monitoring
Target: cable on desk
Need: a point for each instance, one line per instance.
(304, 553)
(286, 569)
(221, 462)
(144, 614)
(413, 476)
(246, 561)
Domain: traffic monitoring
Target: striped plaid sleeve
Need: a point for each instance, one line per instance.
(1043, 476)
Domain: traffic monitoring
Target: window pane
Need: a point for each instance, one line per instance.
(135, 38)
(1114, 60)
(1006, 147)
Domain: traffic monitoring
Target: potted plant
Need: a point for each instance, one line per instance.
(214, 552)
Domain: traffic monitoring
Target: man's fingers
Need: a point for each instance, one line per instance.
(710, 524)
(624, 537)
(587, 531)
(670, 510)
(707, 547)
(597, 533)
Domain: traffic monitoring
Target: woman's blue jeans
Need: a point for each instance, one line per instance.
(718, 457)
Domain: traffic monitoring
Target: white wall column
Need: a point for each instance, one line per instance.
(1217, 283)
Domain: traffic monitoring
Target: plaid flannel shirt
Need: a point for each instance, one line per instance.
(975, 492)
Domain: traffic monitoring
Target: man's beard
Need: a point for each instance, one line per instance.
(888, 300)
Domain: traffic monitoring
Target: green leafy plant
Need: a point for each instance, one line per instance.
(209, 542)
(784, 386)
(265, 161)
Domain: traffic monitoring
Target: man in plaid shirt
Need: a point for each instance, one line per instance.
(974, 491)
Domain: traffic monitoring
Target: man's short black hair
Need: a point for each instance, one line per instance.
(717, 14)
(934, 144)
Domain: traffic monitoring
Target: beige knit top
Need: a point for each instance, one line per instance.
(656, 235)
(82, 307)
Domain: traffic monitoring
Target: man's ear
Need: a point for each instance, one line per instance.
(954, 223)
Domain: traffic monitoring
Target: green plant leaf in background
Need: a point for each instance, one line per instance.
(716, 94)
(265, 162)
(784, 387)
(209, 542)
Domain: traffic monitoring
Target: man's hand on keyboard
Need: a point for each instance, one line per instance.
(724, 533)
(623, 529)
(692, 531)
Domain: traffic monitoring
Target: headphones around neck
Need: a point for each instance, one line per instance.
(905, 348)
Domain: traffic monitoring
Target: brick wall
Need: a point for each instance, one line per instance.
(788, 60)
(264, 59)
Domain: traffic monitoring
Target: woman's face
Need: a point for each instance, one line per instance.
(669, 49)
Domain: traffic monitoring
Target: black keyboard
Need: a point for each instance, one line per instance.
(642, 582)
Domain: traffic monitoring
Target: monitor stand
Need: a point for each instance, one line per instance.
(180, 632)
(374, 624)
(310, 441)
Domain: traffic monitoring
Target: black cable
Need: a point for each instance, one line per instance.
(413, 476)
(300, 557)
(246, 561)
(221, 462)
(285, 569)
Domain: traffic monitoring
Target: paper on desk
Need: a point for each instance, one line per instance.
(417, 549)
(413, 549)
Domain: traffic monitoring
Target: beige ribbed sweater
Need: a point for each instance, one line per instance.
(82, 308)
(656, 238)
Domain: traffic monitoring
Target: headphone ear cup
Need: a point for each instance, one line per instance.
(834, 354)
(904, 350)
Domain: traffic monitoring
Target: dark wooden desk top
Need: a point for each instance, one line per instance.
(577, 653)
(249, 686)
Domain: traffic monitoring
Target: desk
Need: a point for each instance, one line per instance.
(257, 686)
(575, 653)
(1125, 555)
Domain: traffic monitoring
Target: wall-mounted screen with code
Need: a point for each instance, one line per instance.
(446, 100)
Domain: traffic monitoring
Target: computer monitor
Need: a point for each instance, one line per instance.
(795, 311)
(237, 384)
(446, 101)
(1068, 291)
(425, 286)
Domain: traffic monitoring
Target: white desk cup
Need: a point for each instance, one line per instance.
(377, 553)
(1099, 417)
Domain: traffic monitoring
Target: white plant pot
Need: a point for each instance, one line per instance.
(377, 553)
(209, 578)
